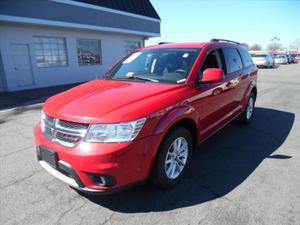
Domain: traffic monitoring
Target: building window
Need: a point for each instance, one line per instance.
(131, 45)
(50, 51)
(89, 51)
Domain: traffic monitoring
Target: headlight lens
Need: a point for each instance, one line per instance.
(43, 118)
(121, 132)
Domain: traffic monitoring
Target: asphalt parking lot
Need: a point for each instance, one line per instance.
(242, 175)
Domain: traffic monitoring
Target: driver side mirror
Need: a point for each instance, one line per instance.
(212, 75)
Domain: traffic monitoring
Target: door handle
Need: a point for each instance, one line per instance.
(245, 76)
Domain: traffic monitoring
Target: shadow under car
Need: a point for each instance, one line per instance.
(219, 165)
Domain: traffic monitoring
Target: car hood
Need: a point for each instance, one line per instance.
(107, 101)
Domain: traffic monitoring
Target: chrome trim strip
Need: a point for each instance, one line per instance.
(72, 131)
(70, 181)
(64, 143)
(65, 131)
(55, 128)
(58, 174)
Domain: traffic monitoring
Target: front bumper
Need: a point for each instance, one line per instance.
(127, 163)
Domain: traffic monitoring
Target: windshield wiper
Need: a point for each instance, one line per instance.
(144, 78)
(132, 76)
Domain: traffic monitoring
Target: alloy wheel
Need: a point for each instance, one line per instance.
(250, 108)
(176, 158)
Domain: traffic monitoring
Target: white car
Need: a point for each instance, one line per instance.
(263, 60)
(281, 59)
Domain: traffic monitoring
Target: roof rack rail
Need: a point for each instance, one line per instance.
(163, 43)
(225, 40)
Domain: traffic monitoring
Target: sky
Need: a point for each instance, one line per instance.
(245, 21)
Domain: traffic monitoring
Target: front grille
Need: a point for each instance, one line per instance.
(64, 132)
(72, 125)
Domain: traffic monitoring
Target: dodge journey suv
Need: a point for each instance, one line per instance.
(143, 119)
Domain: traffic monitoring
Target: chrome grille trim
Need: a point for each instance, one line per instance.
(64, 132)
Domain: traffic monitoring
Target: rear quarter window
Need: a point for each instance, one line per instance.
(246, 58)
(232, 59)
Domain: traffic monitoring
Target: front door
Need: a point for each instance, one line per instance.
(22, 64)
(214, 100)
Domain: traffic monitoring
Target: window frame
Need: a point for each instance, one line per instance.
(100, 53)
(35, 51)
(221, 54)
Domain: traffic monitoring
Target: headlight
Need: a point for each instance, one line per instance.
(121, 132)
(43, 118)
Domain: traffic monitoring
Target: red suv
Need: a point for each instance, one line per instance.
(143, 118)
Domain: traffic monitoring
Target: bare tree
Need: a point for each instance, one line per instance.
(274, 46)
(255, 47)
(295, 44)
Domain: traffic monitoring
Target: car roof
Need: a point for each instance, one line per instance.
(194, 45)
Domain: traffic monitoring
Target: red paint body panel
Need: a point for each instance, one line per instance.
(210, 106)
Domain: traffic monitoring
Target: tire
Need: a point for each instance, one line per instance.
(247, 115)
(162, 170)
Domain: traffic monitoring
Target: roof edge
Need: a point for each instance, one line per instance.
(55, 23)
(101, 8)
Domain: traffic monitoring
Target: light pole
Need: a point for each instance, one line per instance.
(274, 40)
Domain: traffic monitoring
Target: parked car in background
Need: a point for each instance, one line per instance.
(293, 58)
(289, 58)
(281, 59)
(297, 58)
(143, 118)
(263, 60)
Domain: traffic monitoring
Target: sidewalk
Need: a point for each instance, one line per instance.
(12, 100)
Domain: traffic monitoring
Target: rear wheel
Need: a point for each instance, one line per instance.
(246, 116)
(173, 158)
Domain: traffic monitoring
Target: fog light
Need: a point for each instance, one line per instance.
(102, 180)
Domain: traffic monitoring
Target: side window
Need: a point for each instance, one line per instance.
(212, 60)
(246, 58)
(232, 59)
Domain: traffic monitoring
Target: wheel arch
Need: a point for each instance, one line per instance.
(254, 90)
(188, 124)
(182, 117)
(251, 88)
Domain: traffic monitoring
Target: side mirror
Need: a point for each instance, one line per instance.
(212, 75)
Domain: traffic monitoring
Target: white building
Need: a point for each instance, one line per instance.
(45, 43)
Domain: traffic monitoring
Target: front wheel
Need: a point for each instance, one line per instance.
(246, 116)
(173, 158)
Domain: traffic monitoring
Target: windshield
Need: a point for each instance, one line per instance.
(167, 65)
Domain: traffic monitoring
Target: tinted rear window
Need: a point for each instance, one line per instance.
(246, 58)
(232, 59)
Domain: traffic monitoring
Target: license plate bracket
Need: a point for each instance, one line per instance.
(48, 156)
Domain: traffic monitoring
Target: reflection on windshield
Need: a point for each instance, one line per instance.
(168, 65)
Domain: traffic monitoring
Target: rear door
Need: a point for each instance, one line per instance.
(249, 71)
(234, 78)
